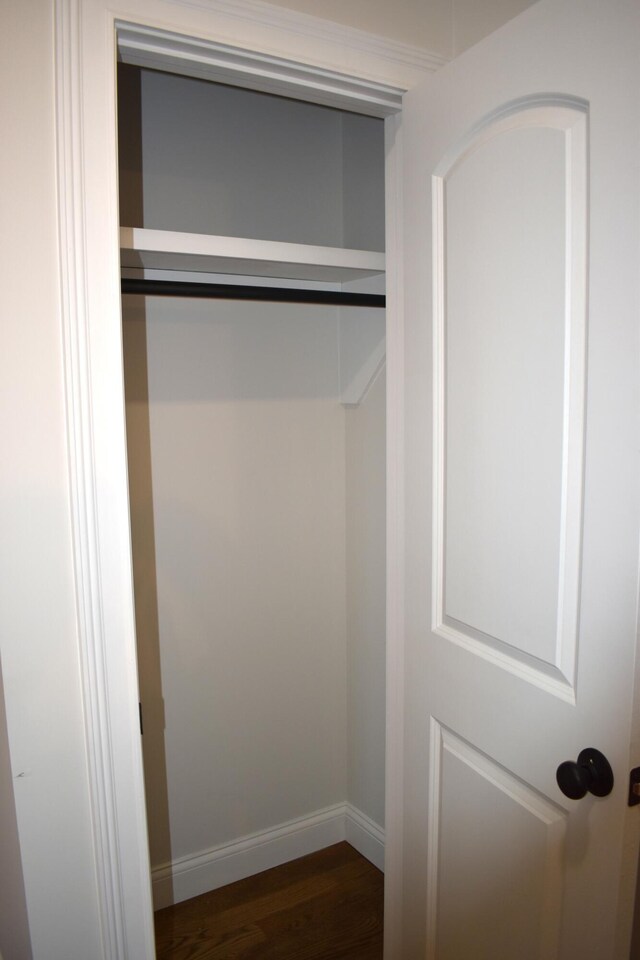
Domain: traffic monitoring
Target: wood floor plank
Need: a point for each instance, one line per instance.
(326, 906)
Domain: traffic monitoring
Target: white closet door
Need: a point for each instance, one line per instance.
(522, 493)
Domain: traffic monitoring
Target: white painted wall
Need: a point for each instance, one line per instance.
(444, 27)
(471, 20)
(247, 461)
(365, 451)
(258, 523)
(422, 23)
(38, 641)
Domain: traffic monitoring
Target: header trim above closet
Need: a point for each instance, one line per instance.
(208, 60)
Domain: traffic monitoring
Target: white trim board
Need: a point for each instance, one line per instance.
(221, 63)
(365, 835)
(210, 869)
(170, 250)
(90, 311)
(210, 59)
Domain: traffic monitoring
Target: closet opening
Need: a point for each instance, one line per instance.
(252, 254)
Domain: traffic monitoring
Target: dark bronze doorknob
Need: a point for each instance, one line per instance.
(591, 774)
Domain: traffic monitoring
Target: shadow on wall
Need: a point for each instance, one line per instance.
(14, 926)
(635, 941)
(145, 589)
(140, 486)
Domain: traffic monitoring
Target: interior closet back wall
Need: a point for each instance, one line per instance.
(238, 516)
(188, 161)
(257, 507)
(257, 500)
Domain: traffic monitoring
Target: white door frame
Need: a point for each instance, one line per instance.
(246, 43)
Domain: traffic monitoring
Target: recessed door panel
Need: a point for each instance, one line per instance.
(510, 264)
(497, 875)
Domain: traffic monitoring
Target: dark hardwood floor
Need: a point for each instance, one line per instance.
(324, 906)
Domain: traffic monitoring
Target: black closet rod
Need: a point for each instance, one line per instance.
(237, 291)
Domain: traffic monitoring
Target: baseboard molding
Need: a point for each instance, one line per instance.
(190, 876)
(365, 835)
(210, 869)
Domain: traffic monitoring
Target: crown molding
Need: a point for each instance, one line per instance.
(385, 66)
(225, 63)
(317, 27)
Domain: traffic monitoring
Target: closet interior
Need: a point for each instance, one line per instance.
(256, 447)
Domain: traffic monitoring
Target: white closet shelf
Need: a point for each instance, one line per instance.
(204, 253)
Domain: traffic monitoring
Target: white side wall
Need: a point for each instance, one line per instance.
(38, 641)
(365, 450)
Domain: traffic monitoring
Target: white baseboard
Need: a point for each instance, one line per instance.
(365, 835)
(190, 876)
